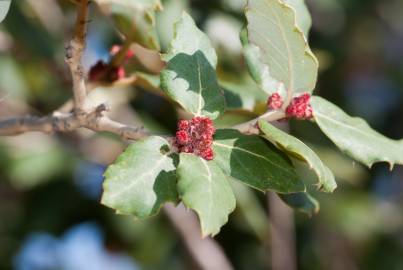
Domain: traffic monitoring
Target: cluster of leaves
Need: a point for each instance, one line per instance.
(150, 172)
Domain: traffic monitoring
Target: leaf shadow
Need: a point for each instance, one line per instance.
(201, 78)
(164, 189)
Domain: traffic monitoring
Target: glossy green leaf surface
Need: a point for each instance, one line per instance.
(255, 162)
(292, 145)
(141, 179)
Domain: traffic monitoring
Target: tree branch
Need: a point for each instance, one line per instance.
(47, 124)
(94, 120)
(74, 52)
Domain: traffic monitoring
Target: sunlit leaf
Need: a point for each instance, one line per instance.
(278, 46)
(141, 179)
(354, 136)
(204, 188)
(304, 20)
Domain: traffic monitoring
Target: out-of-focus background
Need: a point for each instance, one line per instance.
(50, 186)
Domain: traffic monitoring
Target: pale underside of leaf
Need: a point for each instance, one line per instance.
(292, 145)
(204, 188)
(283, 48)
(354, 136)
(190, 77)
(303, 18)
(259, 71)
(4, 8)
(255, 162)
(141, 179)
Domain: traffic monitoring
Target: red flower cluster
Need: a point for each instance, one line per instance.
(196, 136)
(102, 71)
(300, 107)
(275, 101)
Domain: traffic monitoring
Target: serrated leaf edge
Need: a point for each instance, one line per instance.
(307, 50)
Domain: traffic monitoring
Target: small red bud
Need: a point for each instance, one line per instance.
(182, 137)
(183, 124)
(275, 102)
(208, 154)
(196, 136)
(300, 107)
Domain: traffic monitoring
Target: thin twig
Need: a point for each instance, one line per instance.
(250, 126)
(74, 52)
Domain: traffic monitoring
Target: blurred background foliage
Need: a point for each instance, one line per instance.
(50, 216)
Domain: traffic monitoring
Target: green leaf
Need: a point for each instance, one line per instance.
(297, 148)
(279, 47)
(242, 92)
(190, 77)
(141, 179)
(258, 71)
(255, 162)
(4, 8)
(135, 19)
(204, 188)
(354, 136)
(303, 17)
(302, 202)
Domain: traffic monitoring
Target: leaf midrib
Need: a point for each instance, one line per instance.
(140, 178)
(253, 154)
(353, 128)
(209, 177)
(289, 60)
